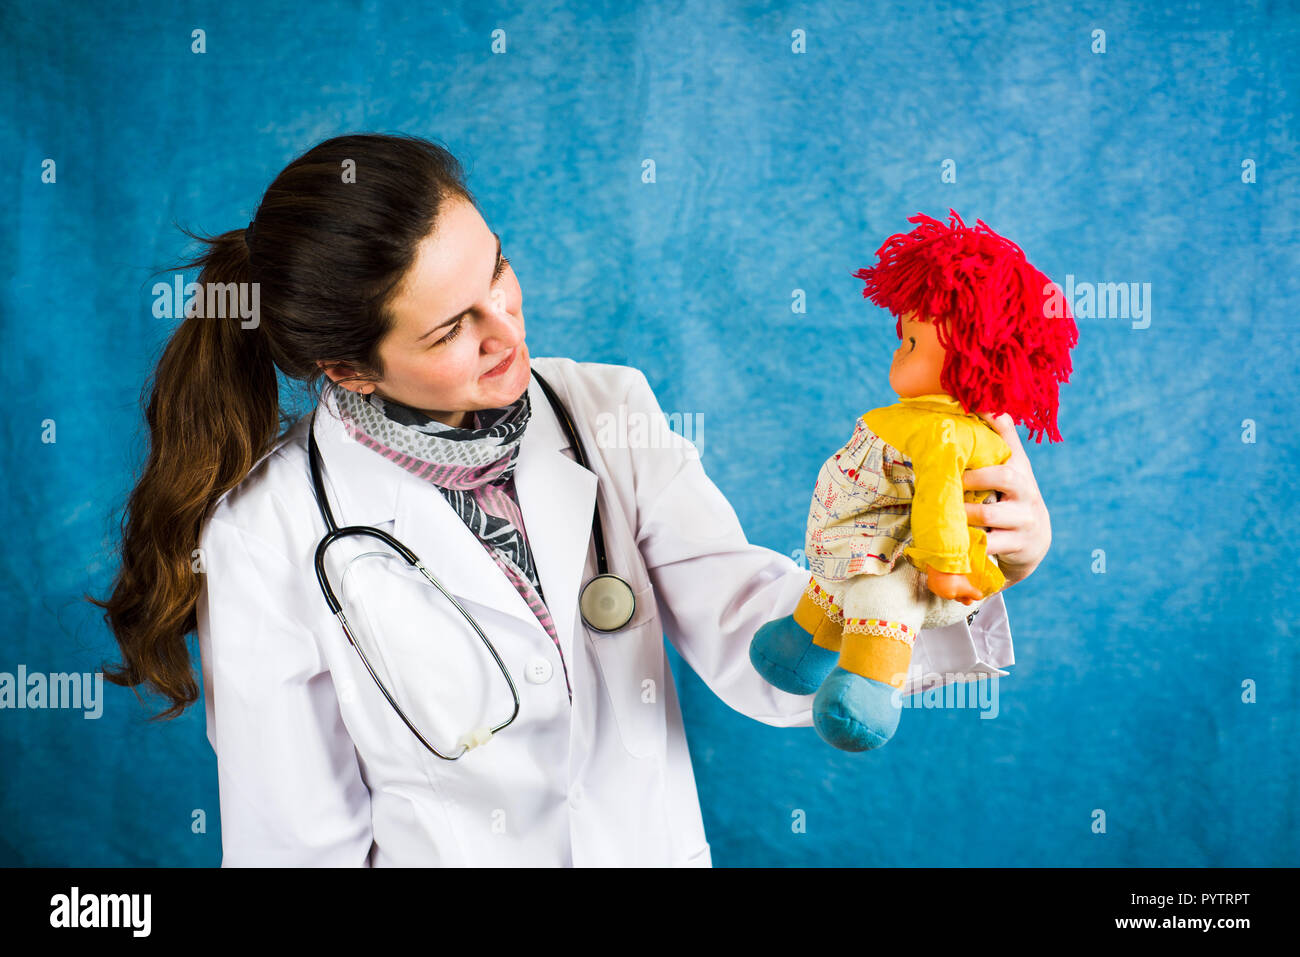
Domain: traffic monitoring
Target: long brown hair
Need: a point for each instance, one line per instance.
(334, 236)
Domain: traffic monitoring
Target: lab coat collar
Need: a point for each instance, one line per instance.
(556, 495)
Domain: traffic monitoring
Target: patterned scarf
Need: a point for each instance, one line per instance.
(473, 468)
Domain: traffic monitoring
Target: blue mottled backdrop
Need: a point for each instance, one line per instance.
(1156, 675)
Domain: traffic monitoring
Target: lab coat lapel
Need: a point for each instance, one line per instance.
(557, 497)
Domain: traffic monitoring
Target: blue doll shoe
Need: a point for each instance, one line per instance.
(854, 713)
(784, 654)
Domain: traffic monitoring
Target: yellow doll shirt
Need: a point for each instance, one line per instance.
(942, 439)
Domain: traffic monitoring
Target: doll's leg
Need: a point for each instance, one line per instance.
(819, 613)
(797, 652)
(856, 708)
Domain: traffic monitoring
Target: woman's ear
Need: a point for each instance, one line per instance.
(336, 370)
(341, 373)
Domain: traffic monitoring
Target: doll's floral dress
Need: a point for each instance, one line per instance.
(894, 493)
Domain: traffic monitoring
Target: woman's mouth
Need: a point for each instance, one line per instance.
(503, 366)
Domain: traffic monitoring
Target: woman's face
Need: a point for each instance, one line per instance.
(457, 342)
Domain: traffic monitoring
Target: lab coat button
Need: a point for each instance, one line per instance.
(538, 670)
(575, 795)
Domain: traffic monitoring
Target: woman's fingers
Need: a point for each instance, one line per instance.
(1004, 478)
(1004, 542)
(1019, 527)
(1007, 514)
(1005, 426)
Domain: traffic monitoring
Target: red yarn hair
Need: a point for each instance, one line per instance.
(989, 306)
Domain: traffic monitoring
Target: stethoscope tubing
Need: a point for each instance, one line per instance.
(334, 534)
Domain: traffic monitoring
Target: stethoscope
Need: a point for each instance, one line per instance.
(606, 602)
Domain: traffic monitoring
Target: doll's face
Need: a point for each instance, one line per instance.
(918, 361)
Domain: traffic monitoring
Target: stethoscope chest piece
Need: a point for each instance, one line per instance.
(607, 603)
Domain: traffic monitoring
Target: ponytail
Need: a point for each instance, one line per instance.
(213, 410)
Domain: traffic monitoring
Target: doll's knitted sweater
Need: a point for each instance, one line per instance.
(942, 439)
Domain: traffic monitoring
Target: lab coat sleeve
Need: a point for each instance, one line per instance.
(713, 588)
(291, 791)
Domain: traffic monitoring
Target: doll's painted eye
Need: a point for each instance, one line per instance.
(912, 340)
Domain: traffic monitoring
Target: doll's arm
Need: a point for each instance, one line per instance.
(940, 535)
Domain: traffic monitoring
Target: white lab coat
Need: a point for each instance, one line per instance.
(315, 768)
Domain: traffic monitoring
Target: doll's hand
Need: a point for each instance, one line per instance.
(1019, 528)
(952, 585)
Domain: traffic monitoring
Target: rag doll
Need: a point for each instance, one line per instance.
(888, 544)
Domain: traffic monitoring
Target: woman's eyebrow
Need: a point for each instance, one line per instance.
(448, 322)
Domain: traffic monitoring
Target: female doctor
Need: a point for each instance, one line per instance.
(501, 720)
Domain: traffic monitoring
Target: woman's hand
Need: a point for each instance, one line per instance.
(1020, 530)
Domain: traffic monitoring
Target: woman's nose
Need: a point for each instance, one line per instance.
(501, 331)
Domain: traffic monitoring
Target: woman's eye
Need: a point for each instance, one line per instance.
(913, 342)
(455, 331)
